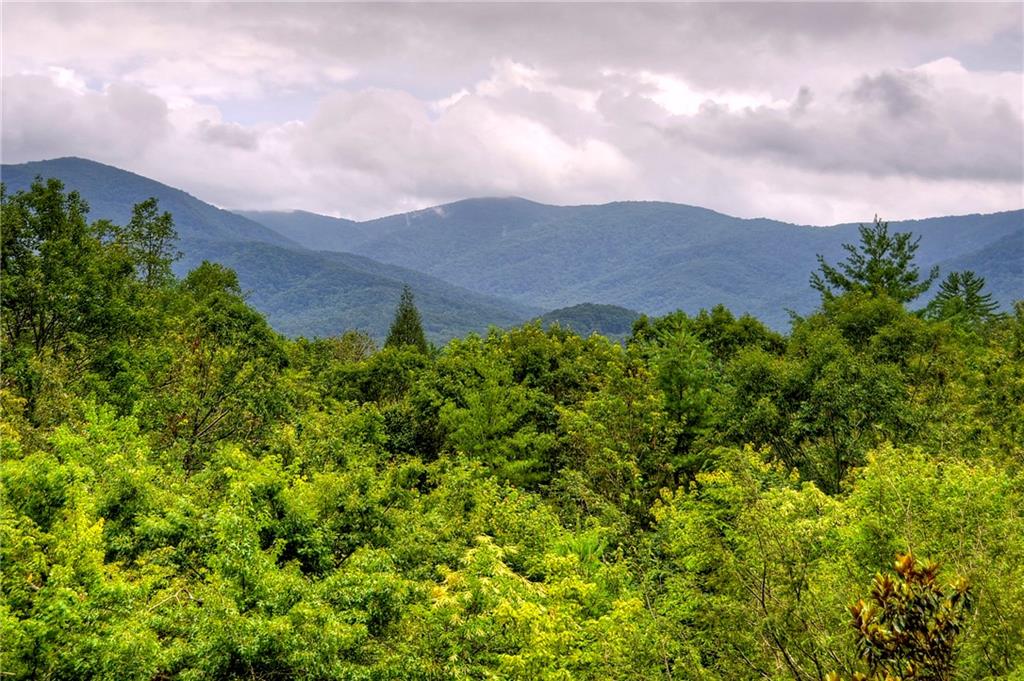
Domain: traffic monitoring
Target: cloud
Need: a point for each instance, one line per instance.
(894, 123)
(227, 134)
(55, 115)
(394, 143)
(805, 112)
(900, 93)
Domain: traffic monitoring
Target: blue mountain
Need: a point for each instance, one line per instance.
(649, 256)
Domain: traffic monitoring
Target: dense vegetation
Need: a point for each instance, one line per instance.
(189, 495)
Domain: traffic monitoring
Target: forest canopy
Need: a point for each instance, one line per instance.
(189, 495)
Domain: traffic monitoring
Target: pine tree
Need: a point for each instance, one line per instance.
(407, 328)
(960, 300)
(882, 264)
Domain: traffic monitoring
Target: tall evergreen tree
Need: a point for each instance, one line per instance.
(883, 263)
(960, 299)
(407, 328)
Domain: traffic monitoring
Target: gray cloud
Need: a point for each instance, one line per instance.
(888, 124)
(900, 93)
(43, 118)
(811, 112)
(228, 135)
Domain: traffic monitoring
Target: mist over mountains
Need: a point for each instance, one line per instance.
(501, 261)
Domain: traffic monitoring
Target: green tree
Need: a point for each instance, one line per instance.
(960, 300)
(407, 328)
(835, 393)
(494, 421)
(150, 235)
(70, 298)
(218, 367)
(51, 286)
(682, 370)
(882, 264)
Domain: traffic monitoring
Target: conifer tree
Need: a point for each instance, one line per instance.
(960, 299)
(883, 263)
(407, 328)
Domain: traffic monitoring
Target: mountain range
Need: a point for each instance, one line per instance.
(648, 256)
(501, 261)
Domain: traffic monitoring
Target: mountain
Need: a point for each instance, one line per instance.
(499, 261)
(649, 256)
(111, 193)
(321, 293)
(301, 291)
(586, 318)
(327, 233)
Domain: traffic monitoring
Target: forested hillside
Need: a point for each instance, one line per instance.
(189, 495)
(649, 256)
(301, 292)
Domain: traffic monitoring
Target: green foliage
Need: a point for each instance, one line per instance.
(216, 375)
(150, 236)
(883, 264)
(407, 328)
(722, 333)
(71, 301)
(188, 495)
(495, 422)
(682, 369)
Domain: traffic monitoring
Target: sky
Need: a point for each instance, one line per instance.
(812, 113)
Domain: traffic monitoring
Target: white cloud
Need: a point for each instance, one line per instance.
(680, 98)
(791, 112)
(45, 116)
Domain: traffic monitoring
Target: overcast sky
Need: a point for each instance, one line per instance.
(812, 113)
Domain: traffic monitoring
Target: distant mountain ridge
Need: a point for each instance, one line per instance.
(650, 256)
(500, 261)
(611, 321)
(1000, 262)
(301, 291)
